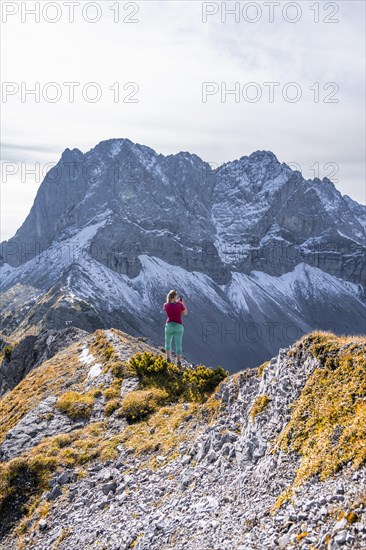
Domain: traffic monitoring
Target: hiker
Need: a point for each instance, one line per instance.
(174, 309)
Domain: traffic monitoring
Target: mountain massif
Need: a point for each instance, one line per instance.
(261, 255)
(106, 445)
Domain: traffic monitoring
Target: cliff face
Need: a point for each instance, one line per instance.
(251, 213)
(105, 445)
(261, 255)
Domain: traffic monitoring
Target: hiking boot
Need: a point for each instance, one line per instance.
(179, 364)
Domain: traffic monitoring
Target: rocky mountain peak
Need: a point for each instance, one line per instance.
(264, 157)
(71, 154)
(131, 222)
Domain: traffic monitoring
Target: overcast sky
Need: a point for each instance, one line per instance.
(169, 52)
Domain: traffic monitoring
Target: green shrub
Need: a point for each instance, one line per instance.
(154, 370)
(191, 384)
(201, 381)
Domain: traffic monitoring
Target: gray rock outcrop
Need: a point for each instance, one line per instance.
(217, 489)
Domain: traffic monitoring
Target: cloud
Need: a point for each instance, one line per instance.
(35, 148)
(169, 54)
(17, 152)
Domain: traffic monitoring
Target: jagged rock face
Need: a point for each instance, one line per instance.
(214, 491)
(174, 206)
(249, 244)
(31, 352)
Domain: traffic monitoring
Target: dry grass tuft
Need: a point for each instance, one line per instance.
(261, 368)
(259, 405)
(75, 404)
(141, 403)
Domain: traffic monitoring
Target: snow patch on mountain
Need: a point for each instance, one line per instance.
(311, 282)
(115, 148)
(53, 261)
(89, 359)
(86, 357)
(156, 273)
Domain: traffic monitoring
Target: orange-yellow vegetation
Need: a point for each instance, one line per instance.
(327, 423)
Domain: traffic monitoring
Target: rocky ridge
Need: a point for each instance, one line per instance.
(208, 475)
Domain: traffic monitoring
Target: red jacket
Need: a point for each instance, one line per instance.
(174, 312)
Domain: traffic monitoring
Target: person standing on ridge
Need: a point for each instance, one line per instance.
(174, 309)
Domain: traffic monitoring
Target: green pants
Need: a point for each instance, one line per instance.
(176, 330)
